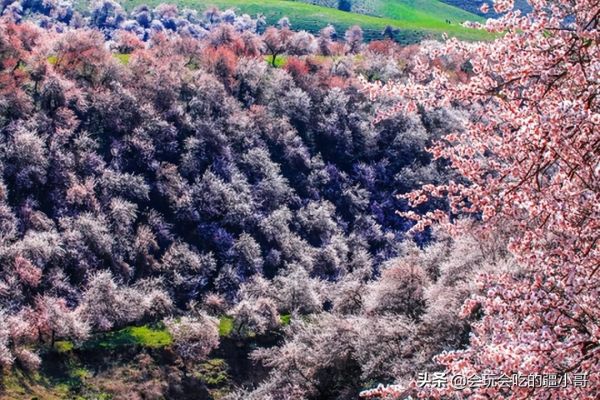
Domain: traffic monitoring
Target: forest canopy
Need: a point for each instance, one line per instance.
(203, 206)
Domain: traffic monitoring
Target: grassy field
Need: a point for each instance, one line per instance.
(425, 12)
(419, 11)
(416, 19)
(144, 336)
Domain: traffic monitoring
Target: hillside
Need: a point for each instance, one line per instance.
(409, 10)
(200, 206)
(415, 20)
(475, 5)
(171, 211)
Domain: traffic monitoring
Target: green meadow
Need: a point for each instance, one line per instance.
(414, 19)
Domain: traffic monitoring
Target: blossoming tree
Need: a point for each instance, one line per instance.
(529, 155)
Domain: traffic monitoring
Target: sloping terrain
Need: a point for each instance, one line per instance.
(409, 10)
(475, 5)
(126, 363)
(414, 20)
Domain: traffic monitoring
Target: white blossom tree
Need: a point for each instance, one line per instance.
(194, 337)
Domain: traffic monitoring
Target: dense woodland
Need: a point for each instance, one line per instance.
(164, 177)
(179, 170)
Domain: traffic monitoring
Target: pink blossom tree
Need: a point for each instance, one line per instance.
(530, 161)
(17, 334)
(275, 42)
(55, 320)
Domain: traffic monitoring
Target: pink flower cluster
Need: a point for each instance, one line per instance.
(530, 154)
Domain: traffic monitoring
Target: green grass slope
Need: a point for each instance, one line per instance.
(416, 19)
(432, 11)
(421, 11)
